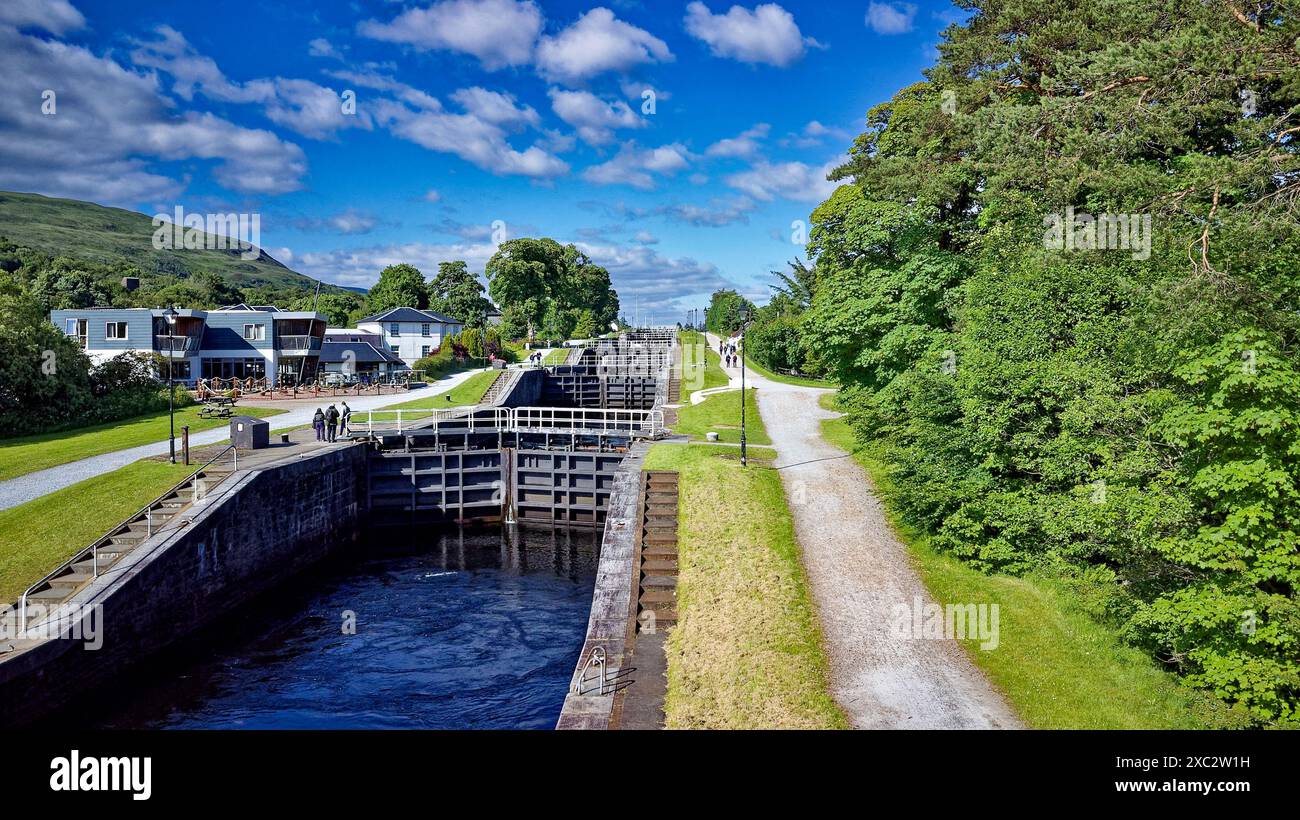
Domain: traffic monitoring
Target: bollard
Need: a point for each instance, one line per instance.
(185, 443)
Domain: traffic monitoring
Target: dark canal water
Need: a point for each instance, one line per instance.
(458, 629)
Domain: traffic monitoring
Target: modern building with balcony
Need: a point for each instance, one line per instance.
(239, 341)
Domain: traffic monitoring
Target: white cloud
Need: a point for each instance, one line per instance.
(656, 283)
(350, 221)
(474, 140)
(308, 108)
(594, 118)
(432, 196)
(360, 267)
(111, 124)
(636, 166)
(768, 34)
(890, 18)
(743, 145)
(320, 47)
(645, 238)
(499, 33)
(496, 108)
(720, 212)
(596, 43)
(795, 181)
(54, 16)
(814, 134)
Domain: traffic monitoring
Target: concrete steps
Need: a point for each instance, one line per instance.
(73, 578)
(657, 576)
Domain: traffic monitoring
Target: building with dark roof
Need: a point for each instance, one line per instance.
(411, 334)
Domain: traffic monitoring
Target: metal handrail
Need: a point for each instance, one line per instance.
(93, 549)
(602, 420)
(491, 419)
(596, 657)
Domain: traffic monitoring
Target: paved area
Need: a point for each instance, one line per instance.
(34, 485)
(860, 575)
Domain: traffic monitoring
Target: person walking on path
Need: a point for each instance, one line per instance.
(318, 423)
(346, 419)
(331, 423)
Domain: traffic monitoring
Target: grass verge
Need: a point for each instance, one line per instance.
(467, 392)
(38, 536)
(1058, 666)
(557, 356)
(747, 651)
(781, 377)
(720, 413)
(19, 456)
(713, 374)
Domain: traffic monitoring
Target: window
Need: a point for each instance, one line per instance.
(393, 348)
(425, 350)
(394, 329)
(424, 329)
(76, 328)
(254, 333)
(115, 330)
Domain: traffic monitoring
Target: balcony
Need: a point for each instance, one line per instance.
(298, 345)
(176, 346)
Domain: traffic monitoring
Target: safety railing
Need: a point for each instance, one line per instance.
(461, 419)
(145, 513)
(589, 421)
(298, 344)
(486, 419)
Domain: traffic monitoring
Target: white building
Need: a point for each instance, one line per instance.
(411, 334)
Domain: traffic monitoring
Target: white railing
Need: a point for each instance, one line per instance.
(487, 419)
(469, 419)
(600, 421)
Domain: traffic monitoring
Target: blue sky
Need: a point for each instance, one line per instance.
(527, 116)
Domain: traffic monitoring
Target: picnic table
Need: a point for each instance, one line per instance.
(217, 407)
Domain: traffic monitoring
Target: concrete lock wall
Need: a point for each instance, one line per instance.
(246, 538)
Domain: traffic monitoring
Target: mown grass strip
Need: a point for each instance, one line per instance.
(747, 651)
(19, 456)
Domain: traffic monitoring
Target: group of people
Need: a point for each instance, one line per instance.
(327, 422)
(727, 350)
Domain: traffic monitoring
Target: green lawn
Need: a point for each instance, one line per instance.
(467, 392)
(712, 373)
(720, 413)
(1059, 667)
(781, 377)
(747, 652)
(38, 536)
(19, 456)
(556, 356)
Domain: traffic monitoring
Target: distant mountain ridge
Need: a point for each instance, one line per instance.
(85, 230)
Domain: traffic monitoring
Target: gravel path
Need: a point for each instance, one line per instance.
(860, 573)
(28, 487)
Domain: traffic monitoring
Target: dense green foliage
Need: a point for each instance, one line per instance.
(722, 316)
(457, 293)
(548, 289)
(1049, 399)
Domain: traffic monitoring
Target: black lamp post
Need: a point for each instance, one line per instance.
(744, 321)
(170, 315)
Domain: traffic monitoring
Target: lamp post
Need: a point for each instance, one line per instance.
(744, 321)
(170, 315)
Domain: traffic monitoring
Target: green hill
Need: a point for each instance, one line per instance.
(84, 230)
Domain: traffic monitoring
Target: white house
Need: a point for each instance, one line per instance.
(411, 334)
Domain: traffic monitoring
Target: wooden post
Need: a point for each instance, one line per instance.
(185, 442)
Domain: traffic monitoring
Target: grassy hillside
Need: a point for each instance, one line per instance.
(84, 230)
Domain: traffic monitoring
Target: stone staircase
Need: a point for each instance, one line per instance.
(106, 553)
(500, 386)
(657, 575)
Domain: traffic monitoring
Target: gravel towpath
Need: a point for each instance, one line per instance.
(860, 574)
